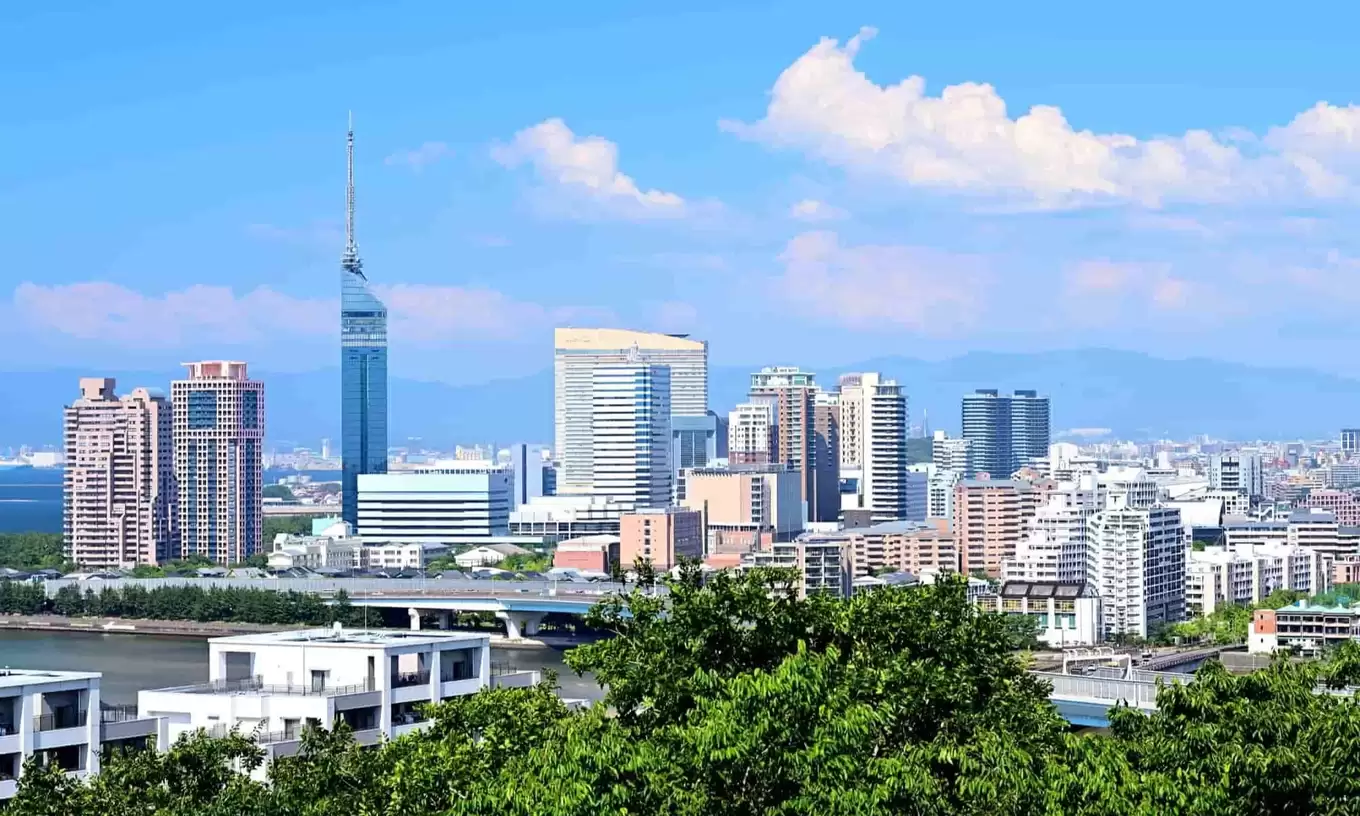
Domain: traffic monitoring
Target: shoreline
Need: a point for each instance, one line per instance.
(206, 630)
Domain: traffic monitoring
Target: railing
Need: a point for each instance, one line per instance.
(118, 713)
(255, 685)
(61, 718)
(415, 678)
(357, 587)
(1070, 686)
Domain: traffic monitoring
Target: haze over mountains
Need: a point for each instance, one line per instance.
(1131, 394)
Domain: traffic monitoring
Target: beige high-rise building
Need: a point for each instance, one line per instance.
(991, 518)
(219, 437)
(576, 355)
(118, 497)
(807, 435)
(745, 507)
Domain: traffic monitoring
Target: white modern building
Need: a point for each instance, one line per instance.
(940, 492)
(823, 566)
(751, 433)
(556, 518)
(336, 547)
(630, 433)
(272, 686)
(58, 717)
(488, 555)
(1067, 613)
(1247, 574)
(1239, 472)
(1137, 558)
(1055, 548)
(445, 507)
(119, 495)
(873, 439)
(578, 352)
(950, 454)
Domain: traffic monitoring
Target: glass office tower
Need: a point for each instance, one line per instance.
(363, 366)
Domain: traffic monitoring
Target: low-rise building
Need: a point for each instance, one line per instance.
(59, 717)
(1067, 613)
(595, 553)
(488, 556)
(897, 546)
(747, 507)
(822, 567)
(553, 518)
(1303, 628)
(272, 686)
(661, 536)
(1346, 570)
(1344, 504)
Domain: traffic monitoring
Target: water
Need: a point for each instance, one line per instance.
(134, 662)
(30, 498)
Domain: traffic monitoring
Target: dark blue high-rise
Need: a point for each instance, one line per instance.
(363, 365)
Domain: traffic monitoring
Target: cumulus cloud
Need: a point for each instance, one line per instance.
(965, 140)
(1151, 284)
(586, 168)
(810, 209)
(881, 287)
(418, 314)
(420, 158)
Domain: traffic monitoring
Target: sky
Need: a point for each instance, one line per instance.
(796, 182)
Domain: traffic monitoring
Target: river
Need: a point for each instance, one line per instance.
(134, 662)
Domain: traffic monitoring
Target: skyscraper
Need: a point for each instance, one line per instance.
(873, 439)
(119, 483)
(630, 434)
(219, 433)
(363, 364)
(577, 352)
(1004, 433)
(1350, 441)
(1030, 434)
(801, 428)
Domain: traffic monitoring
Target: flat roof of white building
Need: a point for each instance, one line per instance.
(351, 638)
(14, 678)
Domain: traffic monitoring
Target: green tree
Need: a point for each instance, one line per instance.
(32, 551)
(278, 491)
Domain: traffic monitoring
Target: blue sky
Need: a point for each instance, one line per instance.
(764, 175)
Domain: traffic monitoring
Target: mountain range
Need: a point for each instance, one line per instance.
(1132, 395)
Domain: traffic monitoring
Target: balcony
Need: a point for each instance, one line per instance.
(255, 686)
(59, 719)
(408, 679)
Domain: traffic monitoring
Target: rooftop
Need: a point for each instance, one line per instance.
(1062, 590)
(1336, 609)
(12, 678)
(350, 638)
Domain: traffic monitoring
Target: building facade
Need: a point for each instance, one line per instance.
(577, 353)
(1218, 576)
(991, 518)
(745, 507)
(1067, 614)
(119, 499)
(446, 507)
(219, 435)
(661, 536)
(1138, 562)
(752, 433)
(1238, 472)
(1030, 430)
(873, 440)
(820, 567)
(1004, 432)
(803, 427)
(630, 431)
(950, 454)
(363, 365)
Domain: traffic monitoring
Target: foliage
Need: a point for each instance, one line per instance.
(734, 697)
(188, 603)
(1341, 595)
(292, 525)
(1226, 625)
(32, 551)
(278, 491)
(527, 562)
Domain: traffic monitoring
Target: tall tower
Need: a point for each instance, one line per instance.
(218, 436)
(363, 364)
(987, 427)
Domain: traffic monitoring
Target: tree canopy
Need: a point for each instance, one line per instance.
(733, 697)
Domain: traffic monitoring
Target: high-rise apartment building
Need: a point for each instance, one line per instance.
(1138, 566)
(219, 437)
(798, 424)
(630, 434)
(577, 352)
(752, 433)
(363, 365)
(1054, 547)
(1004, 433)
(118, 497)
(873, 427)
(1239, 472)
(991, 518)
(949, 453)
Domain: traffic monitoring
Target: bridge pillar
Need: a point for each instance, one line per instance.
(446, 619)
(415, 619)
(521, 624)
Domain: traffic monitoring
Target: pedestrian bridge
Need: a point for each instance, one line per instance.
(1086, 699)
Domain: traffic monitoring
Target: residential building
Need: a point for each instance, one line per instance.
(59, 718)
(488, 555)
(916, 483)
(1137, 559)
(1344, 504)
(1305, 629)
(401, 555)
(822, 567)
(449, 506)
(1246, 575)
(752, 433)
(661, 536)
(363, 365)
(950, 454)
(218, 439)
(793, 392)
(940, 486)
(589, 554)
(696, 440)
(333, 547)
(873, 441)
(991, 518)
(900, 546)
(1030, 433)
(1067, 613)
(826, 445)
(745, 507)
(630, 422)
(1350, 441)
(1346, 569)
(578, 352)
(553, 518)
(271, 686)
(1239, 472)
(1054, 547)
(118, 494)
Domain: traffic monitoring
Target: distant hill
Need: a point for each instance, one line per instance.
(1134, 395)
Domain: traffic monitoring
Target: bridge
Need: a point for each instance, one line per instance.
(521, 612)
(1086, 700)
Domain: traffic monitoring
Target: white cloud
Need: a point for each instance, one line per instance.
(420, 315)
(964, 140)
(588, 169)
(881, 287)
(420, 158)
(1099, 282)
(810, 209)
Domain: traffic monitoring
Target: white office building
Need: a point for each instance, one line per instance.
(1067, 614)
(578, 352)
(1239, 472)
(873, 439)
(630, 431)
(58, 717)
(446, 507)
(272, 686)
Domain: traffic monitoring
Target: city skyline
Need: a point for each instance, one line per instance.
(504, 206)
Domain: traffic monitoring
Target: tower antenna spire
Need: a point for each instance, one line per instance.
(351, 250)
